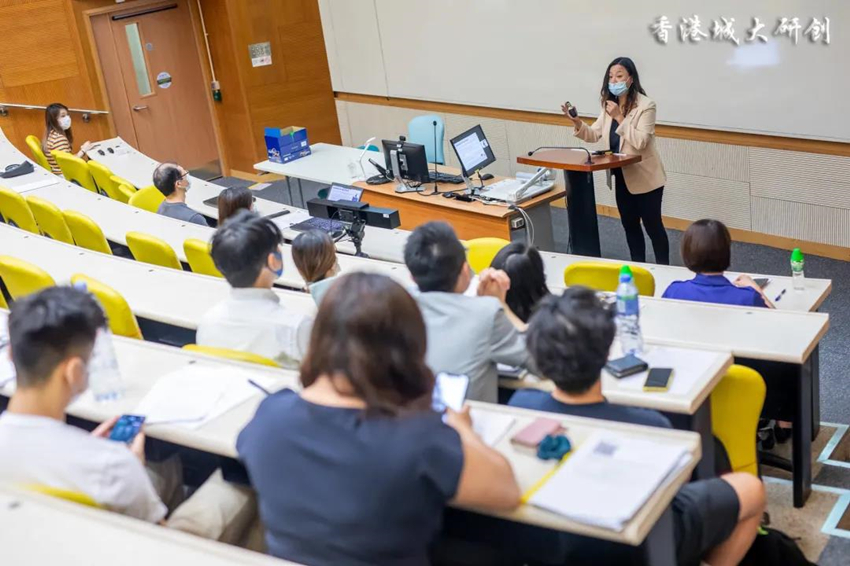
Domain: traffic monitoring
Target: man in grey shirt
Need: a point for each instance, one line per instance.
(173, 181)
(467, 335)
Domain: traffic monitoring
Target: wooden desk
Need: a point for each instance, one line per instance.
(38, 529)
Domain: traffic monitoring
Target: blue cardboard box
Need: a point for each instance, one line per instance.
(286, 144)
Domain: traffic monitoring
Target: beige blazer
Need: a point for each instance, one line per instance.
(637, 137)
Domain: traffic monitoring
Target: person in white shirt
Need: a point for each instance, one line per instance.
(52, 335)
(246, 249)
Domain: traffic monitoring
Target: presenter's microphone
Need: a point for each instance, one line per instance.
(584, 149)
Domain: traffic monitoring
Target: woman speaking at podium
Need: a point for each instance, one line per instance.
(627, 125)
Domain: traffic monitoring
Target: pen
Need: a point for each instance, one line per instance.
(258, 386)
(779, 296)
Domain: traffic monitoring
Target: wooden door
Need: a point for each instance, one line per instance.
(156, 88)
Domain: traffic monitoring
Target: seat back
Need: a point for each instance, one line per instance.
(736, 405)
(23, 278)
(37, 152)
(150, 249)
(50, 219)
(199, 258)
(148, 199)
(421, 130)
(16, 212)
(75, 170)
(122, 321)
(103, 179)
(66, 494)
(481, 251)
(605, 276)
(86, 233)
(124, 189)
(229, 354)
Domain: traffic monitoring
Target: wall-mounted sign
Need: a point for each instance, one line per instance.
(261, 54)
(163, 80)
(691, 30)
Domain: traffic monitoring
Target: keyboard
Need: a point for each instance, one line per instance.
(444, 178)
(323, 224)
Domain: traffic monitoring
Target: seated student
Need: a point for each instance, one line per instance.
(173, 181)
(314, 254)
(232, 199)
(357, 469)
(58, 135)
(246, 249)
(570, 337)
(707, 251)
(524, 267)
(466, 335)
(52, 335)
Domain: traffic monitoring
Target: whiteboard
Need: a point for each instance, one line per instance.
(535, 54)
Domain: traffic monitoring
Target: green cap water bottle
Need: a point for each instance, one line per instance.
(797, 270)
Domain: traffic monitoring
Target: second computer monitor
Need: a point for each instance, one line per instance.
(412, 163)
(473, 150)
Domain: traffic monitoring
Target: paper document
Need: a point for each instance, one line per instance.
(197, 394)
(30, 186)
(608, 479)
(491, 426)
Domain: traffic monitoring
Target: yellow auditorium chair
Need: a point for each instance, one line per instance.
(87, 234)
(37, 153)
(229, 354)
(481, 251)
(50, 220)
(3, 303)
(124, 189)
(148, 199)
(150, 249)
(604, 276)
(122, 321)
(16, 212)
(66, 494)
(22, 278)
(75, 170)
(736, 405)
(199, 258)
(103, 179)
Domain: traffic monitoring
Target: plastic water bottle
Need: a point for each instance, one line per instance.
(104, 376)
(628, 313)
(798, 275)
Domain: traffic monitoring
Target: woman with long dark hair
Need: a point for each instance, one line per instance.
(357, 468)
(627, 125)
(58, 135)
(314, 255)
(232, 199)
(524, 267)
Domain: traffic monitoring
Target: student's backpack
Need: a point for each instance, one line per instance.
(773, 547)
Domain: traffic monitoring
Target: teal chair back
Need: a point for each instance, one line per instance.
(421, 130)
(369, 147)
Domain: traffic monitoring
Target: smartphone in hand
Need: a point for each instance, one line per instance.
(126, 428)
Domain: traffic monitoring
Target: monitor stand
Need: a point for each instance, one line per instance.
(470, 185)
(401, 184)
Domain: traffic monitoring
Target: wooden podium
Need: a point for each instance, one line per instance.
(581, 199)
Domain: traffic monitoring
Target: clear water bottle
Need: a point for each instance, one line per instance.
(798, 275)
(628, 313)
(104, 375)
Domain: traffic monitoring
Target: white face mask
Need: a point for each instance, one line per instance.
(188, 182)
(65, 122)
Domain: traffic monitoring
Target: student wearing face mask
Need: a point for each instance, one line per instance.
(626, 124)
(58, 135)
(246, 249)
(173, 182)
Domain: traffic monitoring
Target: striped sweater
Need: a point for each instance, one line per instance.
(56, 141)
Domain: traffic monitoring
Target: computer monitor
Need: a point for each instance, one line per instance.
(339, 192)
(412, 163)
(473, 150)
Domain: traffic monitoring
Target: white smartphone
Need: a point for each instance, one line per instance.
(449, 391)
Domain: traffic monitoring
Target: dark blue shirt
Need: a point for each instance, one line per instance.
(543, 401)
(714, 289)
(337, 487)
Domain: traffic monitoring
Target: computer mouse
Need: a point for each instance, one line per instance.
(100, 151)
(110, 150)
(486, 177)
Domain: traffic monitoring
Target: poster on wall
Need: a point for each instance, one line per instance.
(261, 54)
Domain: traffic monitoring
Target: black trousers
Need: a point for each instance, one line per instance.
(645, 208)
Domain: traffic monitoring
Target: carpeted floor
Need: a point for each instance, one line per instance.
(822, 527)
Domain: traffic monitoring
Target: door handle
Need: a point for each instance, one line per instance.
(137, 108)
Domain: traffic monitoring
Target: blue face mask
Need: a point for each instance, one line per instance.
(618, 88)
(279, 257)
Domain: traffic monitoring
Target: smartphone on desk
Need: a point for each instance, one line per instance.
(126, 428)
(658, 379)
(626, 366)
(449, 392)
